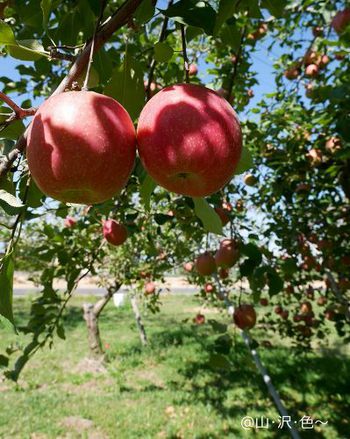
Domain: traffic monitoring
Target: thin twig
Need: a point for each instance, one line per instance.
(91, 56)
(184, 53)
(20, 112)
(235, 65)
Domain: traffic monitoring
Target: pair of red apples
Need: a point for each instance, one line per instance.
(82, 145)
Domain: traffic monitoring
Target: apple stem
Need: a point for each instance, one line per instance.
(91, 56)
(184, 52)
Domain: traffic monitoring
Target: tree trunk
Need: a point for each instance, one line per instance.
(141, 328)
(91, 316)
(94, 339)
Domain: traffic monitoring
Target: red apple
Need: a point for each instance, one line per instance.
(189, 140)
(341, 20)
(199, 319)
(264, 302)
(284, 314)
(205, 264)
(292, 73)
(69, 222)
(333, 144)
(81, 147)
(305, 308)
(193, 70)
(323, 61)
(311, 70)
(209, 288)
(278, 309)
(227, 254)
(245, 316)
(150, 288)
(114, 232)
(188, 266)
(322, 300)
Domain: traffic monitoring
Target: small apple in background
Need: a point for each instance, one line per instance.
(114, 232)
(317, 31)
(312, 70)
(264, 302)
(297, 318)
(69, 222)
(250, 93)
(150, 288)
(177, 158)
(239, 205)
(284, 314)
(81, 147)
(305, 308)
(315, 156)
(250, 180)
(341, 21)
(311, 57)
(193, 70)
(205, 264)
(244, 316)
(209, 288)
(227, 254)
(329, 314)
(278, 309)
(323, 61)
(322, 300)
(310, 88)
(333, 144)
(259, 33)
(199, 319)
(188, 266)
(292, 73)
(339, 56)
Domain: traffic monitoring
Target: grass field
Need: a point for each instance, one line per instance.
(170, 389)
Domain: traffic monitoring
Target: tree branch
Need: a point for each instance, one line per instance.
(111, 25)
(19, 112)
(184, 52)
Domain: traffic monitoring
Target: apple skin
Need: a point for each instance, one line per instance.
(199, 319)
(189, 140)
(264, 301)
(114, 232)
(341, 20)
(245, 316)
(81, 147)
(227, 254)
(312, 70)
(205, 264)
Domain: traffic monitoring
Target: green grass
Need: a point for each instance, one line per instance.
(168, 389)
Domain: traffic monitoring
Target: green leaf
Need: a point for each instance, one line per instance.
(10, 203)
(4, 361)
(193, 13)
(275, 7)
(12, 131)
(6, 287)
(226, 10)
(230, 36)
(126, 86)
(162, 52)
(27, 50)
(275, 282)
(246, 161)
(145, 11)
(210, 219)
(218, 327)
(6, 34)
(219, 361)
(147, 187)
(46, 9)
(253, 252)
